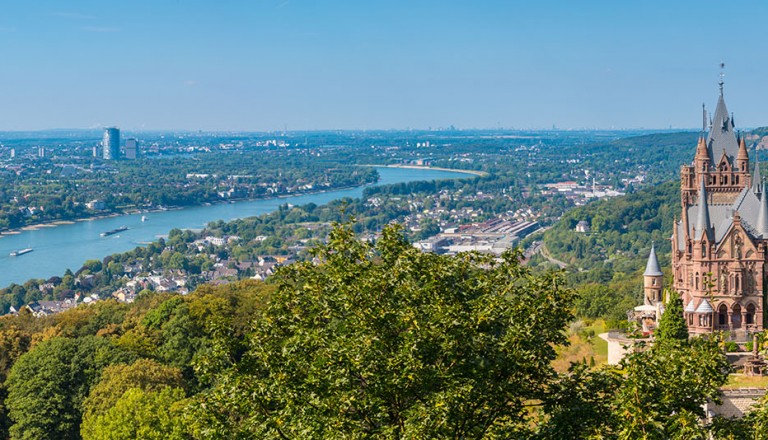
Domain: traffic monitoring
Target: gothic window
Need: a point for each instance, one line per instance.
(722, 315)
(736, 316)
(704, 250)
(658, 295)
(697, 281)
(750, 318)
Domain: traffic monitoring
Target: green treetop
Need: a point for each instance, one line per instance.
(672, 325)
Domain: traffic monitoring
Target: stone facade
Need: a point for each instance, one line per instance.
(719, 244)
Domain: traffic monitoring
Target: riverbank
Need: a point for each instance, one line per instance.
(54, 223)
(69, 246)
(424, 167)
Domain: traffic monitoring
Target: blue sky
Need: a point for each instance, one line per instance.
(369, 64)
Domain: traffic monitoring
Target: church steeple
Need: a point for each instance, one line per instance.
(703, 225)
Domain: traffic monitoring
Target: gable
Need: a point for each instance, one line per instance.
(737, 243)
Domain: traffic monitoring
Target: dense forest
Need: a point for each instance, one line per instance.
(370, 341)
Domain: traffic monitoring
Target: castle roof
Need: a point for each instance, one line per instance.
(703, 225)
(652, 269)
(722, 137)
(720, 217)
(762, 216)
(704, 307)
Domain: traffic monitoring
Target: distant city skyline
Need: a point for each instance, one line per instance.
(271, 65)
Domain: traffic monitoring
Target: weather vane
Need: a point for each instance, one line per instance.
(722, 75)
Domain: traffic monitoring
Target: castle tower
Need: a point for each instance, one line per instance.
(720, 244)
(652, 279)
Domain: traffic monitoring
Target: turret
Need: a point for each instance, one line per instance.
(757, 180)
(652, 279)
(702, 156)
(742, 158)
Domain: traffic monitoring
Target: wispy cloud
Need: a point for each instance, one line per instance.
(100, 29)
(74, 15)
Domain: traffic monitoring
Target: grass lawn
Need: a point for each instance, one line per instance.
(584, 345)
(742, 381)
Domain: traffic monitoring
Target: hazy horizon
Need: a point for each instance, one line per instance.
(272, 65)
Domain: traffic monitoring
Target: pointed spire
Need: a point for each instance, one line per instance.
(743, 155)
(702, 221)
(762, 216)
(652, 269)
(701, 149)
(756, 177)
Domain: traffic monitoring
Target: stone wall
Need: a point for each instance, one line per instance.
(736, 402)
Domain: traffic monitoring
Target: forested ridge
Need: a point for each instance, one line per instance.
(606, 264)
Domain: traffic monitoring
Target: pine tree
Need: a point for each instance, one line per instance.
(672, 325)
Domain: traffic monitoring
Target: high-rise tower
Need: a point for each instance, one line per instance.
(131, 148)
(111, 143)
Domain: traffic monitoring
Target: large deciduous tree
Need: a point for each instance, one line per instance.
(385, 341)
(47, 385)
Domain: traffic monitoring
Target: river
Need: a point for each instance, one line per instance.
(68, 246)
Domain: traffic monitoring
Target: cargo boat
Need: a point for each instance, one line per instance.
(114, 231)
(21, 252)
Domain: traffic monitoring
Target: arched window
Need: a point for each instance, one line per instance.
(722, 315)
(703, 249)
(697, 281)
(736, 316)
(750, 318)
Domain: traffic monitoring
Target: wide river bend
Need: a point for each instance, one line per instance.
(68, 246)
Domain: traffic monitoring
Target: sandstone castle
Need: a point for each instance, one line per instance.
(720, 243)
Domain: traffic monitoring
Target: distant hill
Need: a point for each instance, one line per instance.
(606, 264)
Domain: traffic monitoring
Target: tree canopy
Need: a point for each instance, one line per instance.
(385, 341)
